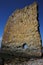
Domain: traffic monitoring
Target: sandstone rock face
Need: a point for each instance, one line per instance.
(22, 30)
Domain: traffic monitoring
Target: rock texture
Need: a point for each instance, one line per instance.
(22, 31)
(30, 62)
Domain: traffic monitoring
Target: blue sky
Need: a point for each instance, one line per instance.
(8, 6)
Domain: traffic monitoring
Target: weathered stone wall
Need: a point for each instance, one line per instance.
(22, 27)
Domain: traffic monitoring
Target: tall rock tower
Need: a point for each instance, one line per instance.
(21, 32)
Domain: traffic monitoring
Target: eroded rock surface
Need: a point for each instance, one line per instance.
(30, 62)
(23, 28)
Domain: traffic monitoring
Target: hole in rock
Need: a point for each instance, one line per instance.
(25, 46)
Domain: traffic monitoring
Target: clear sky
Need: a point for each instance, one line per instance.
(8, 6)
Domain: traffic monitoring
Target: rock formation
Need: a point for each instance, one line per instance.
(22, 35)
(22, 28)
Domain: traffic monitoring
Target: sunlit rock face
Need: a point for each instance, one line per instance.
(23, 27)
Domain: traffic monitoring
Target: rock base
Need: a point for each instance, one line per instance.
(29, 62)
